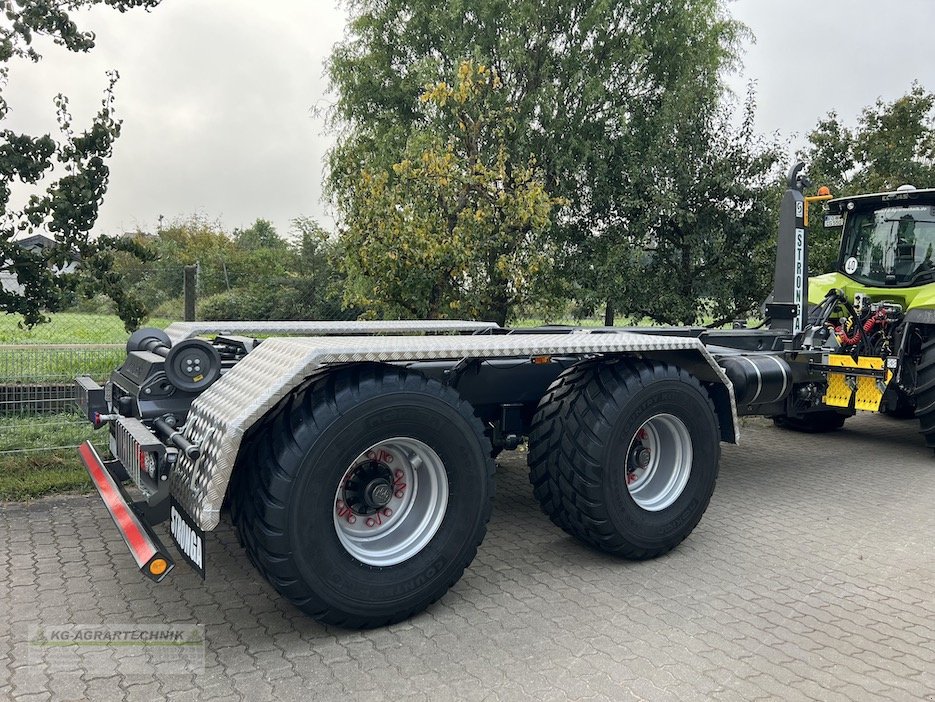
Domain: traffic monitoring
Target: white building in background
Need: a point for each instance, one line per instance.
(36, 243)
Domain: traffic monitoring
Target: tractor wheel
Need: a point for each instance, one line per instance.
(904, 408)
(364, 497)
(624, 455)
(812, 423)
(924, 392)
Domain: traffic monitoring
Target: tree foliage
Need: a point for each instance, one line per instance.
(893, 143)
(260, 235)
(455, 226)
(279, 279)
(251, 273)
(577, 76)
(66, 208)
(698, 228)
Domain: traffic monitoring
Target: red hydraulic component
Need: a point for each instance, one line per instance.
(879, 317)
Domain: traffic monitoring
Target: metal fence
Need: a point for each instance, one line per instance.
(38, 366)
(38, 379)
(38, 413)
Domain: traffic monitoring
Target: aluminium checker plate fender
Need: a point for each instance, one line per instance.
(220, 416)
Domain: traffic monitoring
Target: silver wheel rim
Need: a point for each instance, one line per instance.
(659, 461)
(390, 501)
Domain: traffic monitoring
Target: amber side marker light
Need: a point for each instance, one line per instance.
(158, 566)
(824, 193)
(541, 360)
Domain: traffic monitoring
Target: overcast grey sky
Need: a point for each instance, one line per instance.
(215, 95)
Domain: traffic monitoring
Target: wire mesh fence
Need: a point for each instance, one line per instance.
(38, 366)
(38, 411)
(38, 379)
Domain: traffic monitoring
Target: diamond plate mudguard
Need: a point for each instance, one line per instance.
(220, 416)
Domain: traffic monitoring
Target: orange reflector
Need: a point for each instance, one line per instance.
(158, 566)
(541, 360)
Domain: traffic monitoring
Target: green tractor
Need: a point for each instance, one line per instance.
(874, 315)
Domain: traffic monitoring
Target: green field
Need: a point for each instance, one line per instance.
(70, 328)
(37, 455)
(31, 362)
(79, 328)
(43, 365)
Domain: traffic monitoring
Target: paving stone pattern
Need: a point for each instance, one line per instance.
(812, 576)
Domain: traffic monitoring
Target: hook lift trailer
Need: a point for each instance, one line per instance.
(358, 458)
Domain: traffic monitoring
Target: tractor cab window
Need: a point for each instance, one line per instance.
(890, 246)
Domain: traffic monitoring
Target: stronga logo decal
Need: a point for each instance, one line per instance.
(186, 538)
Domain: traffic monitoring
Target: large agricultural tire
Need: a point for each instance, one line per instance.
(924, 392)
(904, 409)
(812, 423)
(624, 455)
(364, 497)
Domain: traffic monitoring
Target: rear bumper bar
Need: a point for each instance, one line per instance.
(145, 547)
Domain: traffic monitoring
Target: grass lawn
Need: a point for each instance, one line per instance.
(70, 328)
(60, 366)
(39, 364)
(45, 461)
(31, 475)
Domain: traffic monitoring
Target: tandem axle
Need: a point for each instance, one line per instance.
(385, 443)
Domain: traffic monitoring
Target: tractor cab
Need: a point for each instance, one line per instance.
(888, 239)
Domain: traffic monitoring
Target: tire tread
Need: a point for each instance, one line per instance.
(271, 459)
(924, 392)
(573, 422)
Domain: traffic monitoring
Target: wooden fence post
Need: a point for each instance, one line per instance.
(191, 281)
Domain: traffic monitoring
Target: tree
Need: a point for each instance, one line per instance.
(892, 144)
(260, 235)
(225, 261)
(574, 74)
(703, 216)
(319, 283)
(68, 206)
(259, 257)
(455, 226)
(281, 280)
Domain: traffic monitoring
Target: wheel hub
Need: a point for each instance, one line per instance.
(658, 462)
(378, 493)
(390, 501)
(368, 487)
(642, 456)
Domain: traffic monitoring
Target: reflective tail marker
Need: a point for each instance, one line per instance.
(145, 547)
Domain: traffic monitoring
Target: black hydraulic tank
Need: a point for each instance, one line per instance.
(758, 379)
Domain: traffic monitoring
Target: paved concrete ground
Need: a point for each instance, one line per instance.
(812, 576)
